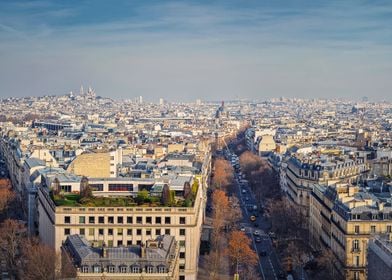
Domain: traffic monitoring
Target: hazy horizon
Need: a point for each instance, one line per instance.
(182, 51)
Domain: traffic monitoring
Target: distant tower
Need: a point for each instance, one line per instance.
(198, 102)
(81, 90)
(161, 101)
(140, 99)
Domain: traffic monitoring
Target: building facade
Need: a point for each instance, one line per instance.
(344, 218)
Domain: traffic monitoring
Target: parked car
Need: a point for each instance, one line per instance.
(263, 253)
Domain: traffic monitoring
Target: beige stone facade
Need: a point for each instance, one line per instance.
(342, 222)
(121, 226)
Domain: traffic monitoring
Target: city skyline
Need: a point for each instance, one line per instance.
(182, 51)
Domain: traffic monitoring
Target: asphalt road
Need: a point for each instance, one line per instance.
(269, 265)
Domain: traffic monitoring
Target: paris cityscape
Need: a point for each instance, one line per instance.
(189, 140)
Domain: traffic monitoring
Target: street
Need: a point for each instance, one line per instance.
(257, 229)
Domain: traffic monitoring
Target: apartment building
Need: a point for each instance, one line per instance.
(120, 225)
(344, 218)
(380, 257)
(301, 172)
(157, 259)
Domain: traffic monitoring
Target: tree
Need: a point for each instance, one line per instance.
(6, 196)
(325, 265)
(11, 235)
(85, 189)
(187, 190)
(220, 204)
(235, 213)
(40, 261)
(239, 250)
(56, 186)
(167, 197)
(249, 162)
(223, 173)
(142, 196)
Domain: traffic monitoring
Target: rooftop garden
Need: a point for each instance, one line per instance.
(143, 198)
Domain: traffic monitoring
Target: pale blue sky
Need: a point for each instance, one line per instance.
(183, 50)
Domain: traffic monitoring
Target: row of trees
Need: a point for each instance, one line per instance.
(261, 177)
(27, 258)
(288, 221)
(24, 257)
(226, 241)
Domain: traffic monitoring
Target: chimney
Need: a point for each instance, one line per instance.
(104, 252)
(142, 251)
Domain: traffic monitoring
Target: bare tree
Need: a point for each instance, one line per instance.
(85, 189)
(223, 173)
(39, 261)
(239, 250)
(6, 196)
(11, 235)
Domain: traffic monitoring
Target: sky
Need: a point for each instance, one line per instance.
(188, 50)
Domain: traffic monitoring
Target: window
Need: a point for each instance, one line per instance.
(97, 269)
(123, 269)
(91, 231)
(158, 220)
(389, 228)
(111, 268)
(110, 243)
(110, 231)
(85, 269)
(100, 231)
(120, 187)
(148, 220)
(182, 255)
(129, 220)
(167, 220)
(182, 231)
(372, 229)
(167, 231)
(129, 242)
(67, 231)
(356, 229)
(150, 269)
(139, 220)
(82, 231)
(96, 187)
(101, 219)
(120, 220)
(148, 231)
(111, 220)
(82, 220)
(161, 269)
(66, 188)
(158, 231)
(182, 277)
(129, 231)
(356, 275)
(119, 243)
(182, 267)
(182, 243)
(138, 242)
(138, 232)
(182, 220)
(356, 261)
(356, 244)
(120, 231)
(91, 220)
(135, 269)
(67, 220)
